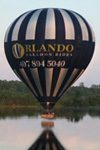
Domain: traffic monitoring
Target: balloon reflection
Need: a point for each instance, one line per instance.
(47, 140)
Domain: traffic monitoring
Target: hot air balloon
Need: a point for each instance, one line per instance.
(49, 49)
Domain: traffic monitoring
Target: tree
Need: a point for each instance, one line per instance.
(81, 84)
(94, 86)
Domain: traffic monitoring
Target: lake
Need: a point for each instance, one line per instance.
(24, 129)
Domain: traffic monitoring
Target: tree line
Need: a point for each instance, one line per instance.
(15, 93)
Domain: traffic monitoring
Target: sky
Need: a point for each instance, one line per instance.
(89, 9)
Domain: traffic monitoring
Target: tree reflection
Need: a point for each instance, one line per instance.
(73, 115)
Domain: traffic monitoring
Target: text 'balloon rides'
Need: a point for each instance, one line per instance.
(49, 49)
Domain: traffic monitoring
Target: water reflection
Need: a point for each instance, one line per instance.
(21, 129)
(47, 140)
(73, 115)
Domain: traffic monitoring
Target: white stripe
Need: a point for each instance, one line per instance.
(54, 146)
(76, 79)
(69, 81)
(50, 32)
(61, 78)
(85, 35)
(31, 28)
(15, 51)
(22, 71)
(78, 76)
(47, 147)
(35, 76)
(19, 51)
(48, 75)
(17, 27)
(69, 27)
(93, 36)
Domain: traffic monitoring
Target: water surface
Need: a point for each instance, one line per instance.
(70, 130)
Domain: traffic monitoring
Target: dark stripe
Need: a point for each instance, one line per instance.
(22, 78)
(23, 27)
(56, 72)
(39, 40)
(88, 50)
(71, 81)
(51, 145)
(74, 79)
(40, 28)
(86, 53)
(45, 99)
(29, 75)
(42, 141)
(60, 28)
(77, 27)
(88, 28)
(42, 78)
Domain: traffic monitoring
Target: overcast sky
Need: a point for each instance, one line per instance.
(89, 9)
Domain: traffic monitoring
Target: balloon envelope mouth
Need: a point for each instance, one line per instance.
(48, 105)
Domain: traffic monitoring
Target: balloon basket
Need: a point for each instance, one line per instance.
(47, 124)
(48, 115)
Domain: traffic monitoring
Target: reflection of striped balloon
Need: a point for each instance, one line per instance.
(48, 141)
(58, 26)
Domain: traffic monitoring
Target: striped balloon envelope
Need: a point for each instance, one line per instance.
(49, 49)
